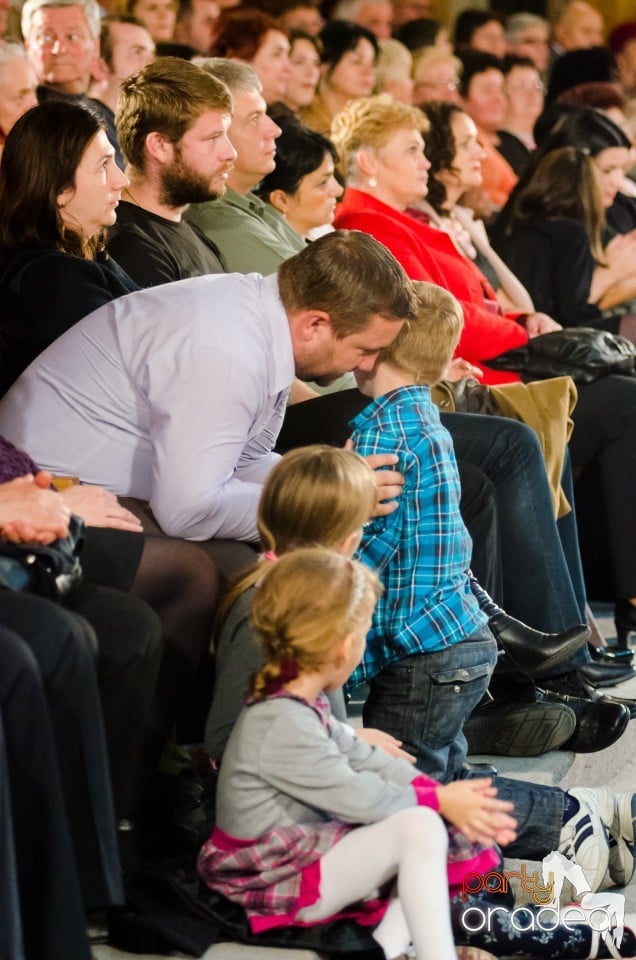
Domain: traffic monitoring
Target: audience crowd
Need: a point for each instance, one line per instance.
(288, 296)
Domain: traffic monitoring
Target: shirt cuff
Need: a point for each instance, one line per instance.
(426, 792)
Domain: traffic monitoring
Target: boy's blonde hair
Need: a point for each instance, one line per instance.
(307, 603)
(316, 495)
(425, 346)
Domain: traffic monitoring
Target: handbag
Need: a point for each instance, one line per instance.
(583, 353)
(50, 570)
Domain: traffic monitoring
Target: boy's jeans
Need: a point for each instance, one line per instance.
(425, 699)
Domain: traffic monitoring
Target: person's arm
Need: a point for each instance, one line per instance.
(204, 401)
(99, 508)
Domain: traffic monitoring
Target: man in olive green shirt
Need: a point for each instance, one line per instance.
(251, 235)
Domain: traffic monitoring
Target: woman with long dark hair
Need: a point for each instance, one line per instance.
(59, 189)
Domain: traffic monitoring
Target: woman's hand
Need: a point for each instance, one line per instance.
(460, 369)
(472, 807)
(99, 508)
(378, 738)
(538, 323)
(390, 482)
(32, 513)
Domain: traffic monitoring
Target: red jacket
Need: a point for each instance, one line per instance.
(429, 254)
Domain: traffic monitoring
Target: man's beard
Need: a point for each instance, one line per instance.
(180, 185)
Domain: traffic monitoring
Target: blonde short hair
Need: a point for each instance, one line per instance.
(394, 62)
(425, 346)
(371, 122)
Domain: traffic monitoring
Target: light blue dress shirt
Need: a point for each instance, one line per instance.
(173, 394)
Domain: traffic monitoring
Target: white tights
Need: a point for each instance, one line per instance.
(411, 847)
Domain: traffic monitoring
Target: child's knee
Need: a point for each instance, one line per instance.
(421, 827)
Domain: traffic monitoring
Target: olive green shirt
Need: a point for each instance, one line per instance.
(250, 234)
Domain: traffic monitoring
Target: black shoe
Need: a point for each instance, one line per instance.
(534, 652)
(609, 655)
(599, 724)
(625, 620)
(518, 730)
(606, 674)
(471, 771)
(575, 685)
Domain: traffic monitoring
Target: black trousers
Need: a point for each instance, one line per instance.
(61, 808)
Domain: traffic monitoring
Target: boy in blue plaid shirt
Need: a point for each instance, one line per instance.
(430, 653)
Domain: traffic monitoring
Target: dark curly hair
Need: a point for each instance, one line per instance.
(439, 147)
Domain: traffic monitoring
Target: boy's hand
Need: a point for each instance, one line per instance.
(390, 482)
(472, 807)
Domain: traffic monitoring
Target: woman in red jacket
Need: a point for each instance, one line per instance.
(381, 147)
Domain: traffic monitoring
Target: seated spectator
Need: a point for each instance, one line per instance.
(393, 71)
(204, 481)
(196, 24)
(349, 57)
(17, 87)
(622, 43)
(524, 102)
(482, 90)
(528, 35)
(255, 38)
(578, 26)
(552, 240)
(59, 189)
(424, 32)
(62, 42)
(589, 65)
(125, 46)
(304, 73)
(480, 30)
(406, 11)
(455, 154)
(249, 233)
(436, 76)
(301, 15)
(377, 200)
(302, 187)
(606, 97)
(158, 16)
(373, 15)
(173, 121)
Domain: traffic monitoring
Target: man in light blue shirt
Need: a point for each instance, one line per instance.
(175, 394)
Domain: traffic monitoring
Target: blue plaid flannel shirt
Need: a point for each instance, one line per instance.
(422, 550)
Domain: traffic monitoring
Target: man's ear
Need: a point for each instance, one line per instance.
(279, 200)
(312, 325)
(99, 70)
(159, 148)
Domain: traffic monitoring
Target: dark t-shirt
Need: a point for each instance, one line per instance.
(153, 250)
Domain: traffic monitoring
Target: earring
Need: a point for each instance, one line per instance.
(373, 182)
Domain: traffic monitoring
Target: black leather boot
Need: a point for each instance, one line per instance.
(531, 651)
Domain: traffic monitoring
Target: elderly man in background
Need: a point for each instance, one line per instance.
(17, 86)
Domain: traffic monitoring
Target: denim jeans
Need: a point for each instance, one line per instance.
(424, 700)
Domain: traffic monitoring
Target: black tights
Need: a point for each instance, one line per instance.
(180, 582)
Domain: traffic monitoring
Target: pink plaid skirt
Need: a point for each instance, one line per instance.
(278, 874)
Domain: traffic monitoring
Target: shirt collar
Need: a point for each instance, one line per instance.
(374, 408)
(283, 367)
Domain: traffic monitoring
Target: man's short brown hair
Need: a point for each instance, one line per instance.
(350, 276)
(425, 346)
(167, 97)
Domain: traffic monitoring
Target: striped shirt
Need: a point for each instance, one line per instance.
(422, 550)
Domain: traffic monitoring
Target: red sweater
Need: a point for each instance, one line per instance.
(429, 254)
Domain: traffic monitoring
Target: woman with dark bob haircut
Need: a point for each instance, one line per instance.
(349, 57)
(59, 188)
(303, 187)
(255, 38)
